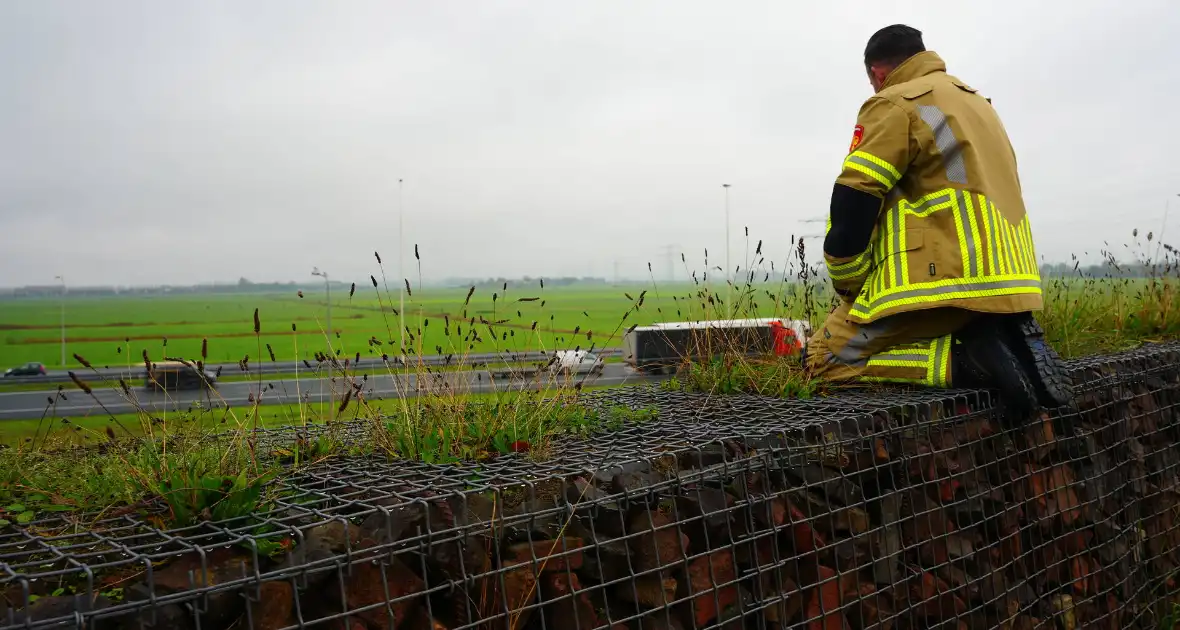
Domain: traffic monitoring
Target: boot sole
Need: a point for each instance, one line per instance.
(1053, 386)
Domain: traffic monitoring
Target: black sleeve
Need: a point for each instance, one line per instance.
(854, 213)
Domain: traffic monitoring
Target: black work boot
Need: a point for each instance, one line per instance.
(982, 360)
(1027, 339)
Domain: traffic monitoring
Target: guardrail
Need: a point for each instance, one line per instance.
(881, 509)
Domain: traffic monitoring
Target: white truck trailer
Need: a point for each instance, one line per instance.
(661, 348)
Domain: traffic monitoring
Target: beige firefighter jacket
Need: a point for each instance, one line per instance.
(952, 230)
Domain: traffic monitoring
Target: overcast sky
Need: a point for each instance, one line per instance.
(179, 142)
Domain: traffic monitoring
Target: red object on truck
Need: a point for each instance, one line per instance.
(786, 342)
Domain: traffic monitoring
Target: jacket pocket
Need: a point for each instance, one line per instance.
(912, 257)
(915, 239)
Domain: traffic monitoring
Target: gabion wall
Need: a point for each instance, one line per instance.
(888, 509)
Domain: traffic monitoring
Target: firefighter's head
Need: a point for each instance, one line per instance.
(888, 48)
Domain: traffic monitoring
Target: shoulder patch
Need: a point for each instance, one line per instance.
(857, 133)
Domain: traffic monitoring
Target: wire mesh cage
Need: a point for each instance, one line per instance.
(873, 509)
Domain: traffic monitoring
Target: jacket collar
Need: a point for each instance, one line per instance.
(920, 65)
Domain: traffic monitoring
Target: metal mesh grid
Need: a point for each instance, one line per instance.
(882, 509)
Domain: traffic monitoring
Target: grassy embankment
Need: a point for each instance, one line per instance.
(145, 456)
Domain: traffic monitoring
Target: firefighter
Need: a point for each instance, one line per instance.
(928, 244)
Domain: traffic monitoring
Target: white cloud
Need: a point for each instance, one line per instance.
(262, 138)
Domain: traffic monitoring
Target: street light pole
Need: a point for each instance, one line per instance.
(728, 285)
(1163, 226)
(331, 355)
(327, 287)
(63, 318)
(401, 246)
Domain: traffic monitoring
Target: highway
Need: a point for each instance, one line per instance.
(76, 403)
(135, 371)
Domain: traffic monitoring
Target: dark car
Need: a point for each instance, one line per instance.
(28, 369)
(174, 375)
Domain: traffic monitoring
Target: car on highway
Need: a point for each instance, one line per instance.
(570, 362)
(176, 375)
(28, 369)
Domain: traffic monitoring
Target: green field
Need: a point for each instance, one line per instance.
(1082, 316)
(117, 331)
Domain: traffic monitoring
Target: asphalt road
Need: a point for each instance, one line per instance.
(74, 402)
(136, 371)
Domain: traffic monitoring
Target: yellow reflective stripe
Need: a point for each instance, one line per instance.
(995, 239)
(874, 167)
(930, 367)
(881, 252)
(1009, 249)
(857, 261)
(909, 355)
(923, 350)
(1018, 247)
(966, 293)
(933, 358)
(870, 172)
(878, 161)
(976, 252)
(1026, 244)
(949, 289)
(1012, 247)
(893, 379)
(899, 363)
(851, 273)
(939, 287)
(962, 235)
(997, 257)
(942, 354)
(998, 234)
(1032, 249)
(903, 255)
(927, 205)
(891, 259)
(992, 267)
(1030, 265)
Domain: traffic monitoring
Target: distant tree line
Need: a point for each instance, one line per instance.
(488, 283)
(241, 286)
(1106, 270)
(1135, 269)
(244, 285)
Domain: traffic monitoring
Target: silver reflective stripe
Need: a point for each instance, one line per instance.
(877, 168)
(948, 145)
(965, 219)
(857, 347)
(943, 290)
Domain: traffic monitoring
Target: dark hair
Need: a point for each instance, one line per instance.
(893, 45)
